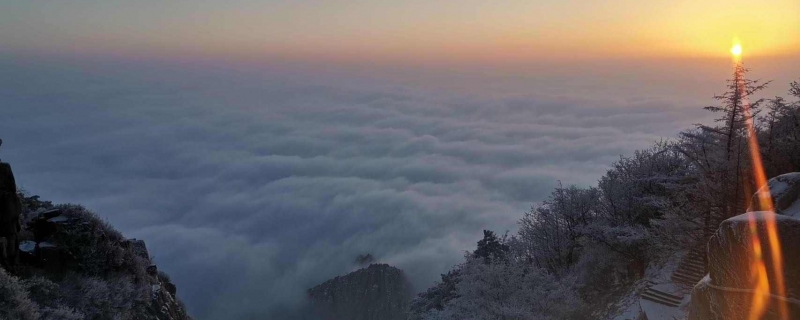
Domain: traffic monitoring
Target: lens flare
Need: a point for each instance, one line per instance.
(736, 50)
(759, 274)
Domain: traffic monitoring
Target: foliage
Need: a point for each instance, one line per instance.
(584, 248)
(14, 301)
(103, 277)
(438, 296)
(31, 205)
(490, 248)
(96, 245)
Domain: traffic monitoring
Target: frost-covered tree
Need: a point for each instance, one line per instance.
(635, 189)
(512, 290)
(780, 137)
(491, 248)
(551, 233)
(720, 153)
(436, 297)
(584, 247)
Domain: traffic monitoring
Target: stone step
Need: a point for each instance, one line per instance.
(690, 280)
(690, 275)
(696, 253)
(692, 268)
(692, 265)
(664, 295)
(660, 300)
(695, 256)
(695, 259)
(698, 260)
(684, 282)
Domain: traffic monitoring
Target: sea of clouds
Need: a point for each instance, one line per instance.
(250, 187)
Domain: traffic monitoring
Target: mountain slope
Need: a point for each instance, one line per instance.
(378, 292)
(73, 265)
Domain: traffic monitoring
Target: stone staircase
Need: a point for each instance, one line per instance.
(692, 268)
(690, 271)
(667, 300)
(658, 296)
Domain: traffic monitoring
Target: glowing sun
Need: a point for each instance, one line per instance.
(737, 50)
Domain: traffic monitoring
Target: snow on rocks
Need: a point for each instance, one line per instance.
(657, 311)
(785, 192)
(27, 246)
(726, 292)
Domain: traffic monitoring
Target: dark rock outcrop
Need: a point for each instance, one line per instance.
(74, 265)
(74, 257)
(10, 212)
(727, 292)
(378, 292)
(365, 259)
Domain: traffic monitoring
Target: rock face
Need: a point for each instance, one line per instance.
(378, 292)
(67, 240)
(67, 263)
(10, 211)
(785, 192)
(72, 260)
(726, 292)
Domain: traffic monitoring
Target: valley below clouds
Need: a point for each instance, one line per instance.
(250, 187)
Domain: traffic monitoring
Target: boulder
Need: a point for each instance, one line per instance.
(42, 228)
(27, 252)
(710, 303)
(51, 257)
(10, 212)
(152, 270)
(726, 292)
(50, 214)
(3, 248)
(171, 288)
(138, 247)
(785, 192)
(730, 252)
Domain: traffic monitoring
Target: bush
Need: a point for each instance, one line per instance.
(104, 279)
(117, 297)
(96, 246)
(61, 313)
(14, 301)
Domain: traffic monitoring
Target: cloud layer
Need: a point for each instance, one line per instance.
(251, 188)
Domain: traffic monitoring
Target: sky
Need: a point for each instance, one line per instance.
(258, 147)
(416, 31)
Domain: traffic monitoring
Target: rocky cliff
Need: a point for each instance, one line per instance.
(378, 292)
(729, 291)
(73, 265)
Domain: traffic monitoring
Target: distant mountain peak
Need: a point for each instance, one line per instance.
(378, 291)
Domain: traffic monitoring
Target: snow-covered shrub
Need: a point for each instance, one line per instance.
(115, 297)
(14, 301)
(61, 313)
(437, 296)
(551, 234)
(102, 278)
(509, 290)
(96, 245)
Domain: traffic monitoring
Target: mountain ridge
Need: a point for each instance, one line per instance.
(378, 291)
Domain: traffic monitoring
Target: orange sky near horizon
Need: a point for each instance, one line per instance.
(417, 31)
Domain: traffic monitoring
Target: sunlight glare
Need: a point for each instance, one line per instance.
(737, 50)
